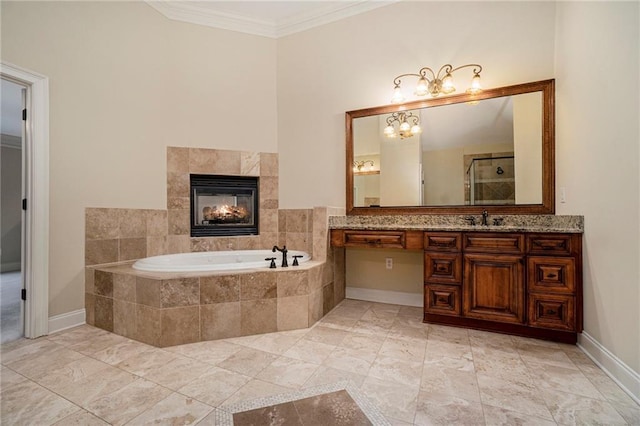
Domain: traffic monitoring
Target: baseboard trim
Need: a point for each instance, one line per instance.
(613, 366)
(65, 321)
(385, 296)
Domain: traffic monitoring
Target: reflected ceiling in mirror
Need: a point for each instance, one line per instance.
(493, 149)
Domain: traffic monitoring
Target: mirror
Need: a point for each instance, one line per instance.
(493, 150)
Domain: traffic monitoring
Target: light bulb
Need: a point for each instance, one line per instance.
(389, 130)
(416, 130)
(422, 88)
(475, 85)
(397, 97)
(404, 127)
(447, 84)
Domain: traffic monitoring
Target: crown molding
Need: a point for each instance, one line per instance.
(195, 14)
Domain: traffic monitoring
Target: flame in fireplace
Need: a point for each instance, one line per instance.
(225, 213)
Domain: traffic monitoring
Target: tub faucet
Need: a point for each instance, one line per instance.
(284, 251)
(485, 215)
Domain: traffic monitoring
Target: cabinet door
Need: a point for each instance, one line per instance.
(552, 311)
(444, 268)
(493, 287)
(442, 299)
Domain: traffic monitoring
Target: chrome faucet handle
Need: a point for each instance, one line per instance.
(295, 259)
(471, 220)
(272, 265)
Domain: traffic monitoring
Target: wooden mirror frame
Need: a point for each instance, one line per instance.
(547, 87)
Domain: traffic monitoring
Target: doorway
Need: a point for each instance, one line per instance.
(34, 202)
(11, 216)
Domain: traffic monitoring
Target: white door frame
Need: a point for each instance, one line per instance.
(36, 222)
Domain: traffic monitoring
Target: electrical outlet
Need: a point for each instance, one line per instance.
(389, 262)
(563, 194)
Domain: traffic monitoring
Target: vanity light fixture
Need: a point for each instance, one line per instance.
(363, 166)
(407, 125)
(434, 84)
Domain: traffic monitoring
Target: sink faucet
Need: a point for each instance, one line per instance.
(485, 215)
(284, 251)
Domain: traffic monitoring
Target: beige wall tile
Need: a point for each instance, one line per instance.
(148, 291)
(179, 223)
(268, 220)
(219, 289)
(268, 164)
(102, 224)
(133, 223)
(282, 221)
(258, 286)
(157, 246)
(220, 321)
(104, 313)
(178, 244)
(180, 292)
(214, 243)
(177, 185)
(178, 203)
(258, 316)
(89, 280)
(180, 326)
(124, 287)
(250, 163)
(148, 325)
(338, 293)
(315, 306)
(293, 313)
(268, 189)
(315, 278)
(124, 318)
(292, 283)
(157, 223)
(249, 243)
(268, 240)
(327, 273)
(297, 220)
(177, 159)
(132, 248)
(97, 252)
(328, 301)
(299, 241)
(214, 161)
(269, 204)
(90, 308)
(103, 283)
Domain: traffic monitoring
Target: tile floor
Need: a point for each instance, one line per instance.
(10, 306)
(412, 372)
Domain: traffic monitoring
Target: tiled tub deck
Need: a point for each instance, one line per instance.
(166, 309)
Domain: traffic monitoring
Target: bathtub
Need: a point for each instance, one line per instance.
(215, 261)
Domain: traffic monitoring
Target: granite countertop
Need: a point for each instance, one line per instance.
(510, 223)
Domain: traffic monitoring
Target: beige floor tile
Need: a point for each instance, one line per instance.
(309, 351)
(145, 362)
(326, 375)
(97, 343)
(501, 365)
(436, 349)
(395, 370)
(81, 418)
(276, 343)
(248, 361)
(124, 404)
(511, 395)
(404, 349)
(178, 372)
(256, 389)
(24, 349)
(450, 376)
(40, 363)
(72, 373)
(563, 380)
(215, 386)
(336, 321)
(327, 335)
(394, 400)
(288, 372)
(365, 346)
(570, 409)
(117, 353)
(496, 416)
(631, 413)
(401, 330)
(537, 353)
(9, 377)
(76, 335)
(348, 360)
(438, 409)
(212, 352)
(175, 409)
(28, 403)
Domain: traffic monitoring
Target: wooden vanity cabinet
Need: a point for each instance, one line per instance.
(518, 283)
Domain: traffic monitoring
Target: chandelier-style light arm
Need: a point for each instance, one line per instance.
(434, 84)
(397, 81)
(423, 73)
(476, 70)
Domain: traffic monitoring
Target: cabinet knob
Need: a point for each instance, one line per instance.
(551, 276)
(551, 312)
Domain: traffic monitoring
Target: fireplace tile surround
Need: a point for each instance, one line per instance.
(170, 309)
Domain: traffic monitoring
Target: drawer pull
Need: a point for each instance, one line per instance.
(440, 267)
(372, 242)
(551, 312)
(551, 276)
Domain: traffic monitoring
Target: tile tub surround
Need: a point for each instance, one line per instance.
(511, 223)
(165, 309)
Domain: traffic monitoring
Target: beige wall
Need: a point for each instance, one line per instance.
(125, 82)
(598, 162)
(10, 222)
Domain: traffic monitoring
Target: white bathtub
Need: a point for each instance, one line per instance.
(215, 261)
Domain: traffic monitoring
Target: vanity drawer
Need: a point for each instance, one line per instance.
(444, 268)
(442, 299)
(551, 274)
(550, 244)
(493, 243)
(374, 239)
(552, 311)
(442, 241)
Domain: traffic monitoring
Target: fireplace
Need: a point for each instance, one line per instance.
(224, 205)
